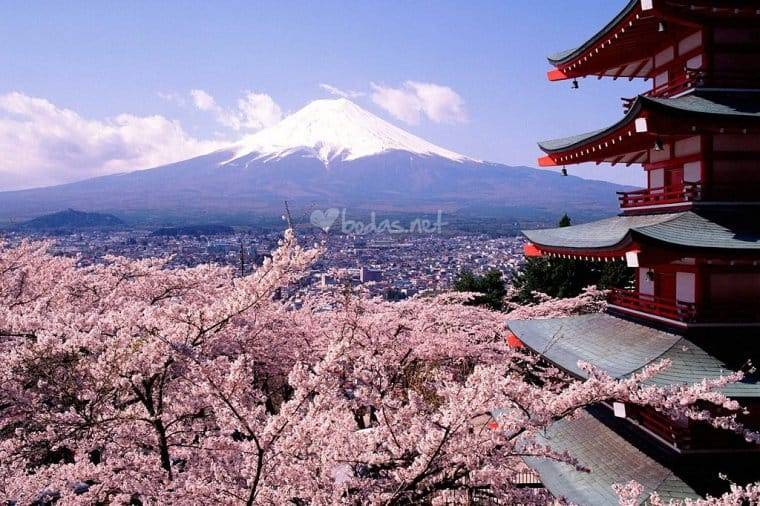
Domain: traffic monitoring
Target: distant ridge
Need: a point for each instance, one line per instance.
(71, 219)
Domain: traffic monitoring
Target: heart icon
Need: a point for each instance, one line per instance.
(324, 220)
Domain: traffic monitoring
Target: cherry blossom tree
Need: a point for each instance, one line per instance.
(590, 300)
(130, 383)
(631, 494)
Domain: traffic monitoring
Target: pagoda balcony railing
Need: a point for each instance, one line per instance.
(686, 312)
(674, 86)
(656, 306)
(687, 192)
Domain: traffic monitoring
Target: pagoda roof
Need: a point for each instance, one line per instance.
(702, 229)
(568, 55)
(610, 459)
(621, 348)
(625, 46)
(740, 106)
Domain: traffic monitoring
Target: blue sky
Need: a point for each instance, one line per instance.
(84, 64)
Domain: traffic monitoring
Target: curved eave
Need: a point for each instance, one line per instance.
(628, 140)
(625, 47)
(623, 128)
(616, 252)
(611, 236)
(565, 57)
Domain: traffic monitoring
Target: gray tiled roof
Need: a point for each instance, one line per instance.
(722, 103)
(740, 105)
(707, 229)
(552, 145)
(621, 348)
(694, 229)
(610, 459)
(598, 234)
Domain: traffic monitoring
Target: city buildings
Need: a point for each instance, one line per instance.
(393, 266)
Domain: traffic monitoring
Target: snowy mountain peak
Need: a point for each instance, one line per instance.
(336, 129)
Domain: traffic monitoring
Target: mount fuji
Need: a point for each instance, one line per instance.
(331, 153)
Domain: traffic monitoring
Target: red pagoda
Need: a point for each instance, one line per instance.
(692, 237)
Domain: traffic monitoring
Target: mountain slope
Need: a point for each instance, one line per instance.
(331, 153)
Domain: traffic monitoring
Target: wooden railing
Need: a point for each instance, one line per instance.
(688, 192)
(685, 311)
(657, 306)
(673, 87)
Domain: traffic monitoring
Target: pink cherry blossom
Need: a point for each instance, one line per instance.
(131, 382)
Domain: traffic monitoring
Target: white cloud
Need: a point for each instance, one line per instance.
(254, 111)
(258, 110)
(174, 98)
(43, 144)
(413, 100)
(337, 92)
(203, 100)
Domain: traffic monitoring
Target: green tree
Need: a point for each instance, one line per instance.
(491, 285)
(560, 277)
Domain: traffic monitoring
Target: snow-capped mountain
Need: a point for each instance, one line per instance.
(336, 129)
(331, 153)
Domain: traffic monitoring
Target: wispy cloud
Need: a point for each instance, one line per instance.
(414, 100)
(44, 144)
(174, 98)
(337, 92)
(253, 111)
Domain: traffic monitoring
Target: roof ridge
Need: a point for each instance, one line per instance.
(674, 216)
(659, 357)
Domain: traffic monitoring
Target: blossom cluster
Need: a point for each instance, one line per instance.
(130, 383)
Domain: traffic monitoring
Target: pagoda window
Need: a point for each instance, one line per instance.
(688, 146)
(686, 287)
(664, 57)
(661, 155)
(656, 179)
(692, 172)
(695, 62)
(661, 79)
(646, 281)
(690, 43)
